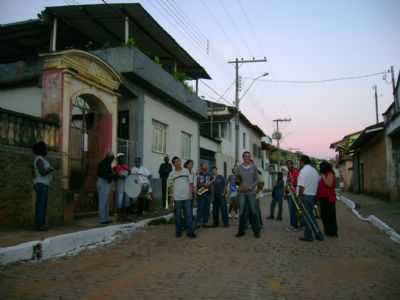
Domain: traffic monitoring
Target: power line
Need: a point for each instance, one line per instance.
(178, 17)
(179, 20)
(232, 20)
(215, 92)
(181, 28)
(321, 81)
(195, 28)
(248, 20)
(219, 25)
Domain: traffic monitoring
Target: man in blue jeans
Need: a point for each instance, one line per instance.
(182, 184)
(308, 183)
(203, 196)
(248, 175)
(219, 202)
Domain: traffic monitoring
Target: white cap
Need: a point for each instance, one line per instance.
(120, 154)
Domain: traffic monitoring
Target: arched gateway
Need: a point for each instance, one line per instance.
(81, 90)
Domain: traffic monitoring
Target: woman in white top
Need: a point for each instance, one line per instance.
(43, 170)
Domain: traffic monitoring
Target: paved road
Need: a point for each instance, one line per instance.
(152, 264)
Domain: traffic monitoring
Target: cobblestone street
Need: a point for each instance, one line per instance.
(152, 264)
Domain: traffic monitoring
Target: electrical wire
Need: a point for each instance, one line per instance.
(162, 10)
(250, 23)
(221, 27)
(320, 81)
(181, 23)
(232, 20)
(192, 25)
(215, 92)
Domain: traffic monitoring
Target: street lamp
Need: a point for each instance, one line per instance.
(237, 116)
(253, 82)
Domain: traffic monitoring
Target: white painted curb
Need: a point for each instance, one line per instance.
(394, 236)
(70, 243)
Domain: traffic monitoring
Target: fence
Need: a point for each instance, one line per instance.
(23, 130)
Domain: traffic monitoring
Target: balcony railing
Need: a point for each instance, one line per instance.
(23, 130)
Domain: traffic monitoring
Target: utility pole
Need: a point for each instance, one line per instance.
(376, 103)
(278, 136)
(237, 63)
(396, 101)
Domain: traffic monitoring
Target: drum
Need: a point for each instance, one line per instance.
(134, 188)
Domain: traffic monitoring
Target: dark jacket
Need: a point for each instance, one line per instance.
(165, 169)
(219, 185)
(105, 171)
(278, 190)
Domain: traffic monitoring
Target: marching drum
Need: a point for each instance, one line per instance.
(134, 187)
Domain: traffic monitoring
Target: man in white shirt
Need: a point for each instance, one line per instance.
(145, 178)
(182, 187)
(307, 183)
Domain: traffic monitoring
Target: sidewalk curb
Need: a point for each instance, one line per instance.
(394, 236)
(70, 243)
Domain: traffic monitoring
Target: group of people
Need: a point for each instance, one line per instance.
(315, 190)
(107, 174)
(202, 188)
(206, 188)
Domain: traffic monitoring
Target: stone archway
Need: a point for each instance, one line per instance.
(82, 90)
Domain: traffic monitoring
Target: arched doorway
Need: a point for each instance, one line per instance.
(83, 91)
(90, 140)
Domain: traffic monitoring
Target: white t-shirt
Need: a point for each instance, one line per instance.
(181, 181)
(39, 178)
(143, 174)
(309, 179)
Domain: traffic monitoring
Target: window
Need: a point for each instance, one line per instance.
(255, 154)
(159, 137)
(244, 139)
(186, 145)
(229, 131)
(223, 130)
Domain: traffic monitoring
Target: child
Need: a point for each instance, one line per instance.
(277, 197)
(232, 191)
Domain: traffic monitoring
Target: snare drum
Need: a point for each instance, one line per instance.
(134, 187)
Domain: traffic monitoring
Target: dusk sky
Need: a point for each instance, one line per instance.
(302, 40)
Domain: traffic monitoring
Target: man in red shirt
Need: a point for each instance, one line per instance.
(292, 181)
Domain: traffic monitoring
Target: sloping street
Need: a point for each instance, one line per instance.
(152, 264)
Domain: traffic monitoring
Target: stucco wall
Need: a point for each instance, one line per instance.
(17, 204)
(346, 174)
(22, 99)
(373, 156)
(176, 123)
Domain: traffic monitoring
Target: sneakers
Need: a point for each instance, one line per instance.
(293, 229)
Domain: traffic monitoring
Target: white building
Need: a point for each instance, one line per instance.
(220, 128)
(152, 113)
